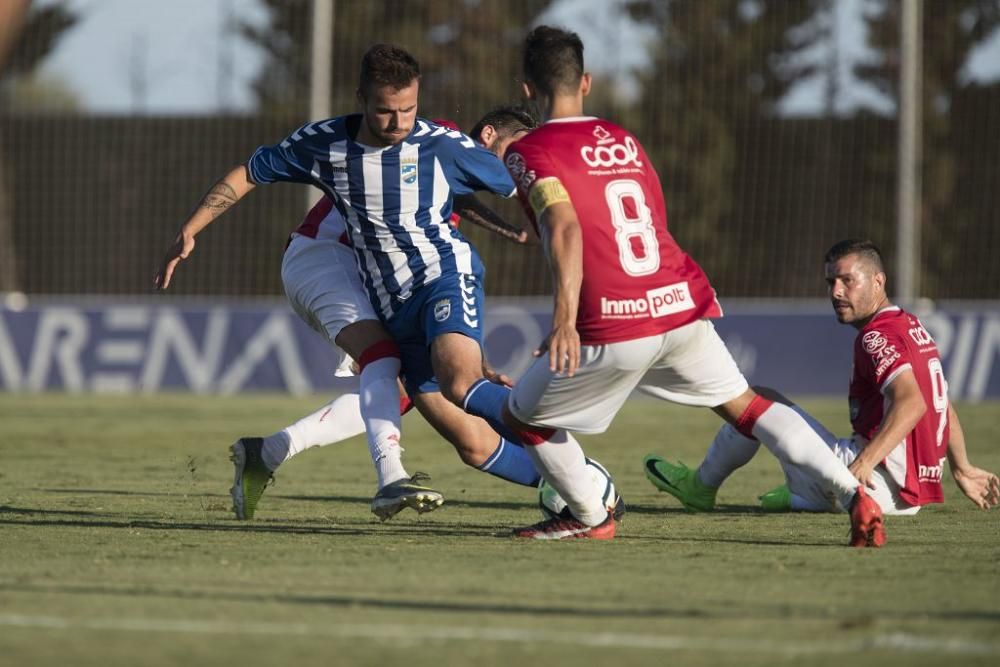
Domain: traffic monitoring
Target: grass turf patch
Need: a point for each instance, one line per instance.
(117, 546)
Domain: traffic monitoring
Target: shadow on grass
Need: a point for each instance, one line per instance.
(120, 492)
(763, 611)
(439, 527)
(356, 601)
(348, 526)
(363, 500)
(669, 508)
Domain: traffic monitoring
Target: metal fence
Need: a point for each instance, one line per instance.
(757, 185)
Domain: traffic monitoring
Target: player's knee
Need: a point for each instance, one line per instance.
(472, 452)
(454, 388)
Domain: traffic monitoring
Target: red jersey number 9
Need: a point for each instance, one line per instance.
(939, 395)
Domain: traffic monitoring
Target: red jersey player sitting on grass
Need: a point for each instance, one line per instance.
(904, 425)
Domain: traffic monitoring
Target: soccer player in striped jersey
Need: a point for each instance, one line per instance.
(391, 177)
(904, 425)
(333, 285)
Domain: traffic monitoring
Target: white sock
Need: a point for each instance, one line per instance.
(790, 438)
(563, 464)
(334, 422)
(380, 411)
(730, 450)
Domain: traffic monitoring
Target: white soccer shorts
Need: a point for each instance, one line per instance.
(689, 365)
(322, 285)
(810, 495)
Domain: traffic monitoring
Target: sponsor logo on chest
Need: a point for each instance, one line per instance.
(873, 341)
(882, 353)
(658, 302)
(608, 154)
(519, 171)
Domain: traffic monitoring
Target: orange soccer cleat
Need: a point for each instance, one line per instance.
(867, 525)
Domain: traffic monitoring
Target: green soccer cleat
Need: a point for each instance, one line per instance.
(777, 500)
(251, 476)
(681, 482)
(391, 499)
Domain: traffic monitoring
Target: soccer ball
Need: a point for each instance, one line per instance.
(552, 504)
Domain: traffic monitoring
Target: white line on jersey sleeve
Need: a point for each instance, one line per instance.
(892, 376)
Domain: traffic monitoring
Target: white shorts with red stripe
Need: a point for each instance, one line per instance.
(322, 284)
(689, 365)
(811, 495)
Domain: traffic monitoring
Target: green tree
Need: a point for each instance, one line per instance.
(719, 66)
(42, 29)
(954, 223)
(468, 52)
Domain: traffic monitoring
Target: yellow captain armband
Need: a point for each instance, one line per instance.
(545, 193)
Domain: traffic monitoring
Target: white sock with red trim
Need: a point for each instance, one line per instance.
(790, 438)
(562, 463)
(335, 422)
(380, 412)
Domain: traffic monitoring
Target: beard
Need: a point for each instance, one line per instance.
(387, 137)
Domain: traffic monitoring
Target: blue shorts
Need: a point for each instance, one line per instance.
(451, 304)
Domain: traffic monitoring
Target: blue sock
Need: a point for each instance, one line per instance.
(512, 463)
(487, 399)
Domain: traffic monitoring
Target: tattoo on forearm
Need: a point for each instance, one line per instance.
(498, 225)
(219, 198)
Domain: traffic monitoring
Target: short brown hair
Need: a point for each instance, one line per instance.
(507, 120)
(860, 247)
(387, 65)
(553, 59)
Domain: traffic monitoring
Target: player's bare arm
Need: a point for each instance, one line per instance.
(471, 209)
(906, 407)
(219, 198)
(224, 194)
(563, 243)
(980, 486)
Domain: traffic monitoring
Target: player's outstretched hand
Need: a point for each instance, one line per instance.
(980, 486)
(180, 249)
(563, 346)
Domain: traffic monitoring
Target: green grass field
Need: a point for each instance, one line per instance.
(117, 546)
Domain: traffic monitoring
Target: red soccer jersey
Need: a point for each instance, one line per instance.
(891, 343)
(637, 282)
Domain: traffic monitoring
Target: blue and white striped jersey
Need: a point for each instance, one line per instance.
(396, 200)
